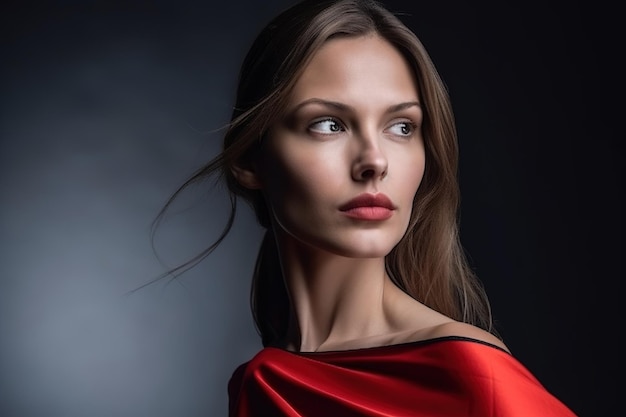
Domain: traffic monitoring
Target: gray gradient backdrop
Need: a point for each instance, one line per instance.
(107, 107)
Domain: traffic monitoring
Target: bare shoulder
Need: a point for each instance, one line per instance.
(420, 322)
(456, 328)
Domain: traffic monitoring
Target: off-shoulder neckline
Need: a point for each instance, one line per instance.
(411, 344)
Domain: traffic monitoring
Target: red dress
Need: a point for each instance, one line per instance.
(449, 376)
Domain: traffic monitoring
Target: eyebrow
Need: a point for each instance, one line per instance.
(344, 107)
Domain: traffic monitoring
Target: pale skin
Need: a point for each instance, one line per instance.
(352, 126)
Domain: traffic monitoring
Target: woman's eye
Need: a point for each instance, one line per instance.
(326, 126)
(402, 129)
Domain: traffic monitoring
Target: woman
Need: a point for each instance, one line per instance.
(343, 141)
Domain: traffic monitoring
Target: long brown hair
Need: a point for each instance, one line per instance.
(429, 262)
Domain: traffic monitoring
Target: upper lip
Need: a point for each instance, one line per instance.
(368, 200)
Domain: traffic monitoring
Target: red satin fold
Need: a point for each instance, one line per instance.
(448, 377)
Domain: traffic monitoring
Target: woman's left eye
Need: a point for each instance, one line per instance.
(402, 129)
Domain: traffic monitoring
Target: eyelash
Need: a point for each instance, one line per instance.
(328, 119)
(406, 123)
(412, 126)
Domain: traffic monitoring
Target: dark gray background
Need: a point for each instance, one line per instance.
(106, 107)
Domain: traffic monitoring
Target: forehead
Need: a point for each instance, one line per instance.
(357, 68)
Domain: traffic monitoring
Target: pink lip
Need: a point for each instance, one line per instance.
(369, 207)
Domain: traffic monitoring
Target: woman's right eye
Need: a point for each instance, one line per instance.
(326, 127)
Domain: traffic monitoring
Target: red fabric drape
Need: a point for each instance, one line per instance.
(448, 377)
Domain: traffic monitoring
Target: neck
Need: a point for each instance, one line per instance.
(335, 299)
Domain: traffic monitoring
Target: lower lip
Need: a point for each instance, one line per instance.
(369, 213)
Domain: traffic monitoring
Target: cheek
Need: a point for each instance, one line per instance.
(417, 174)
(300, 178)
(410, 167)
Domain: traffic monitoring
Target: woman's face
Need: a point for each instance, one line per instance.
(340, 170)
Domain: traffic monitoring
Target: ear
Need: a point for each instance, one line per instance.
(246, 176)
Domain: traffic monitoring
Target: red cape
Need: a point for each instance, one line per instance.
(450, 376)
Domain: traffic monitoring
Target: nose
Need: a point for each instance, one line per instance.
(370, 163)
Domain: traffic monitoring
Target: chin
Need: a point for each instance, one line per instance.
(346, 242)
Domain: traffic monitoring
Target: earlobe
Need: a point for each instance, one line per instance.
(246, 177)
